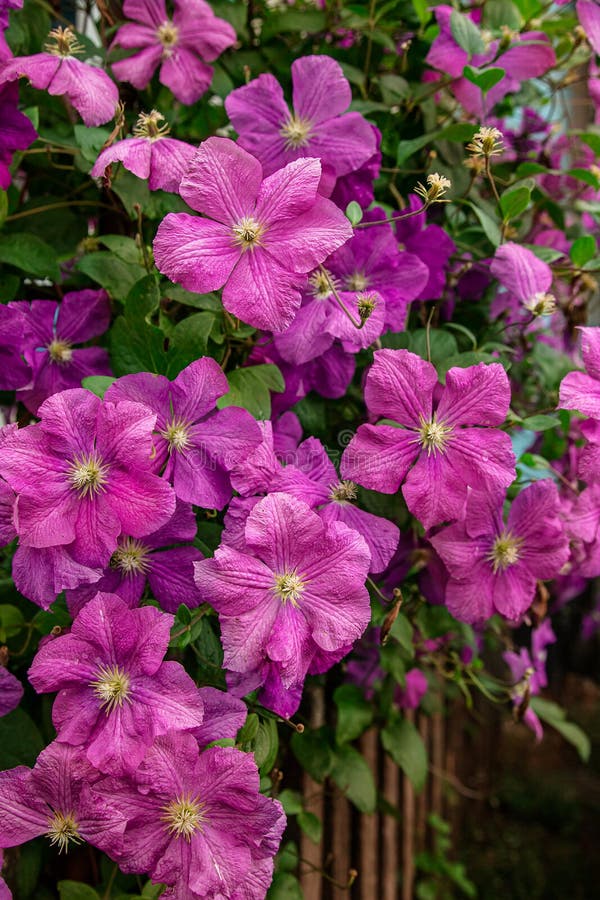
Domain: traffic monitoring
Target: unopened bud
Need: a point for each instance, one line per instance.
(366, 305)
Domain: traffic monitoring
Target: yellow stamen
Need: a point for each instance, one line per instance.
(434, 436)
(63, 42)
(87, 475)
(131, 557)
(289, 586)
(505, 551)
(168, 35)
(60, 351)
(63, 830)
(184, 816)
(111, 687)
(177, 435)
(296, 132)
(343, 491)
(147, 126)
(248, 233)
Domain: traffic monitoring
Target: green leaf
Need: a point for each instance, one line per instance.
(190, 336)
(11, 622)
(311, 825)
(484, 79)
(75, 890)
(285, 886)
(402, 631)
(353, 776)
(266, 745)
(3, 207)
(404, 744)
(584, 175)
(497, 13)
(407, 148)
(97, 384)
(313, 751)
(20, 740)
(124, 248)
(114, 275)
(354, 212)
(250, 388)
(540, 423)
(466, 33)
(490, 227)
(442, 344)
(249, 729)
(90, 141)
(531, 168)
(514, 202)
(30, 254)
(354, 712)
(583, 249)
(459, 132)
(421, 8)
(554, 715)
(291, 802)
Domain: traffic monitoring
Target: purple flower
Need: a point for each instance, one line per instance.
(8, 498)
(452, 443)
(14, 371)
(318, 126)
(57, 71)
(415, 688)
(180, 45)
(260, 239)
(371, 261)
(526, 279)
(224, 715)
(150, 154)
(529, 56)
(140, 561)
(529, 672)
(17, 132)
(83, 476)
(295, 597)
(197, 822)
(494, 566)
(430, 244)
(115, 692)
(588, 13)
(581, 390)
(5, 52)
(55, 800)
(52, 330)
(195, 445)
(41, 573)
(358, 185)
(11, 691)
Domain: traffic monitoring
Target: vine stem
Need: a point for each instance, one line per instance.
(391, 219)
(339, 300)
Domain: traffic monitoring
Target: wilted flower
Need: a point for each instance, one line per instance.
(486, 142)
(437, 185)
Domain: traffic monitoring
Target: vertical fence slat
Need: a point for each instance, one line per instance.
(368, 871)
(390, 831)
(311, 879)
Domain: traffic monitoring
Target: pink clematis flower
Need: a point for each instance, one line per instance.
(581, 390)
(260, 238)
(588, 13)
(17, 132)
(195, 445)
(5, 9)
(181, 46)
(11, 691)
(494, 566)
(197, 822)
(14, 371)
(441, 448)
(293, 601)
(115, 692)
(58, 71)
(318, 126)
(83, 476)
(149, 154)
(52, 330)
(526, 279)
(528, 670)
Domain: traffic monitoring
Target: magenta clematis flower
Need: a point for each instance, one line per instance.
(17, 131)
(318, 126)
(581, 390)
(14, 371)
(137, 562)
(5, 9)
(452, 443)
(371, 261)
(8, 531)
(195, 445)
(11, 691)
(224, 715)
(527, 281)
(430, 244)
(415, 688)
(197, 822)
(494, 566)
(52, 330)
(530, 55)
(295, 597)
(5, 893)
(310, 476)
(260, 239)
(55, 800)
(588, 13)
(83, 476)
(180, 45)
(115, 692)
(58, 71)
(41, 573)
(528, 670)
(358, 185)
(149, 154)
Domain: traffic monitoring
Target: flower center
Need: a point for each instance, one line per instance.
(87, 475)
(63, 42)
(357, 281)
(541, 304)
(111, 687)
(433, 435)
(184, 816)
(289, 587)
(322, 283)
(147, 126)
(296, 132)
(343, 491)
(131, 557)
(505, 551)
(248, 233)
(63, 830)
(168, 35)
(60, 351)
(177, 434)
